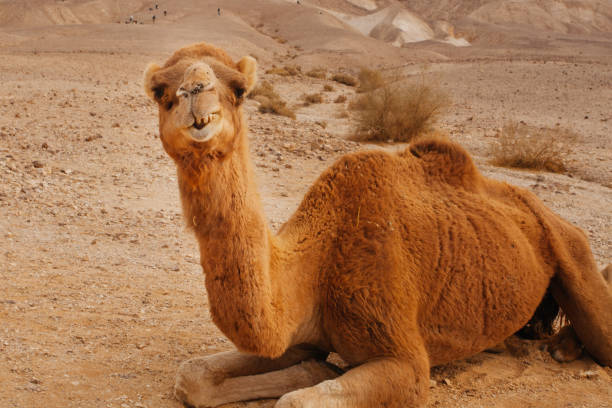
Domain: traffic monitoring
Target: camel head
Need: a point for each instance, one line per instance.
(199, 91)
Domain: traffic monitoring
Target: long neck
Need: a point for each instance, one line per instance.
(236, 248)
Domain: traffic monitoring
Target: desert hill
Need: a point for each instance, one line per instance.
(331, 25)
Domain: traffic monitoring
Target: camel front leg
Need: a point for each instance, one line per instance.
(234, 376)
(385, 382)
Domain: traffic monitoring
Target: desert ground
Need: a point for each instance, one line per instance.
(101, 292)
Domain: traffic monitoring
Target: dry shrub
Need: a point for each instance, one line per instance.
(319, 73)
(266, 89)
(270, 101)
(345, 79)
(313, 98)
(398, 112)
(370, 80)
(328, 88)
(529, 147)
(340, 99)
(287, 70)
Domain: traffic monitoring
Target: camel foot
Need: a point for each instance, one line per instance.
(565, 346)
(232, 376)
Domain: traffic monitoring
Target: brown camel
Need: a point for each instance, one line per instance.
(396, 261)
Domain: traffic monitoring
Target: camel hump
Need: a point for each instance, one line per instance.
(446, 161)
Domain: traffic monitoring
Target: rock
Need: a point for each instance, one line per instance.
(37, 164)
(588, 374)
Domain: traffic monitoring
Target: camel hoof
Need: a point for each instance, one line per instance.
(565, 347)
(193, 387)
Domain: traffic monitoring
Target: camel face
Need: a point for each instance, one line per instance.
(199, 99)
(198, 114)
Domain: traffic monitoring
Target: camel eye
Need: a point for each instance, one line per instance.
(158, 91)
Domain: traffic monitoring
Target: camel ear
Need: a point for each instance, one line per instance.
(151, 88)
(248, 67)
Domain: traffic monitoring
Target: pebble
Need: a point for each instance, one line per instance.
(37, 164)
(589, 374)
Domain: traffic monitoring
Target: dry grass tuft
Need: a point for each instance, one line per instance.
(345, 79)
(319, 73)
(266, 89)
(270, 101)
(287, 70)
(528, 147)
(370, 80)
(398, 112)
(313, 98)
(340, 99)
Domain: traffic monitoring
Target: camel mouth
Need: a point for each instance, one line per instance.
(203, 129)
(199, 124)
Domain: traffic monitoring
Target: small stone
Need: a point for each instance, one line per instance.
(590, 374)
(432, 383)
(37, 164)
(447, 382)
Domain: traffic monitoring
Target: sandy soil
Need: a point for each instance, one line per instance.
(101, 293)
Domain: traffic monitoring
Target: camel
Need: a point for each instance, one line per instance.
(395, 261)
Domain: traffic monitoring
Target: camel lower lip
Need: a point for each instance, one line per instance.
(204, 132)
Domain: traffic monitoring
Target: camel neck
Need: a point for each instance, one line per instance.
(236, 248)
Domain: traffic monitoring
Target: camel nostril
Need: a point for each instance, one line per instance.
(199, 125)
(197, 89)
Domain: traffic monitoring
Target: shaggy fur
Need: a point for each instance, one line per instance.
(396, 261)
